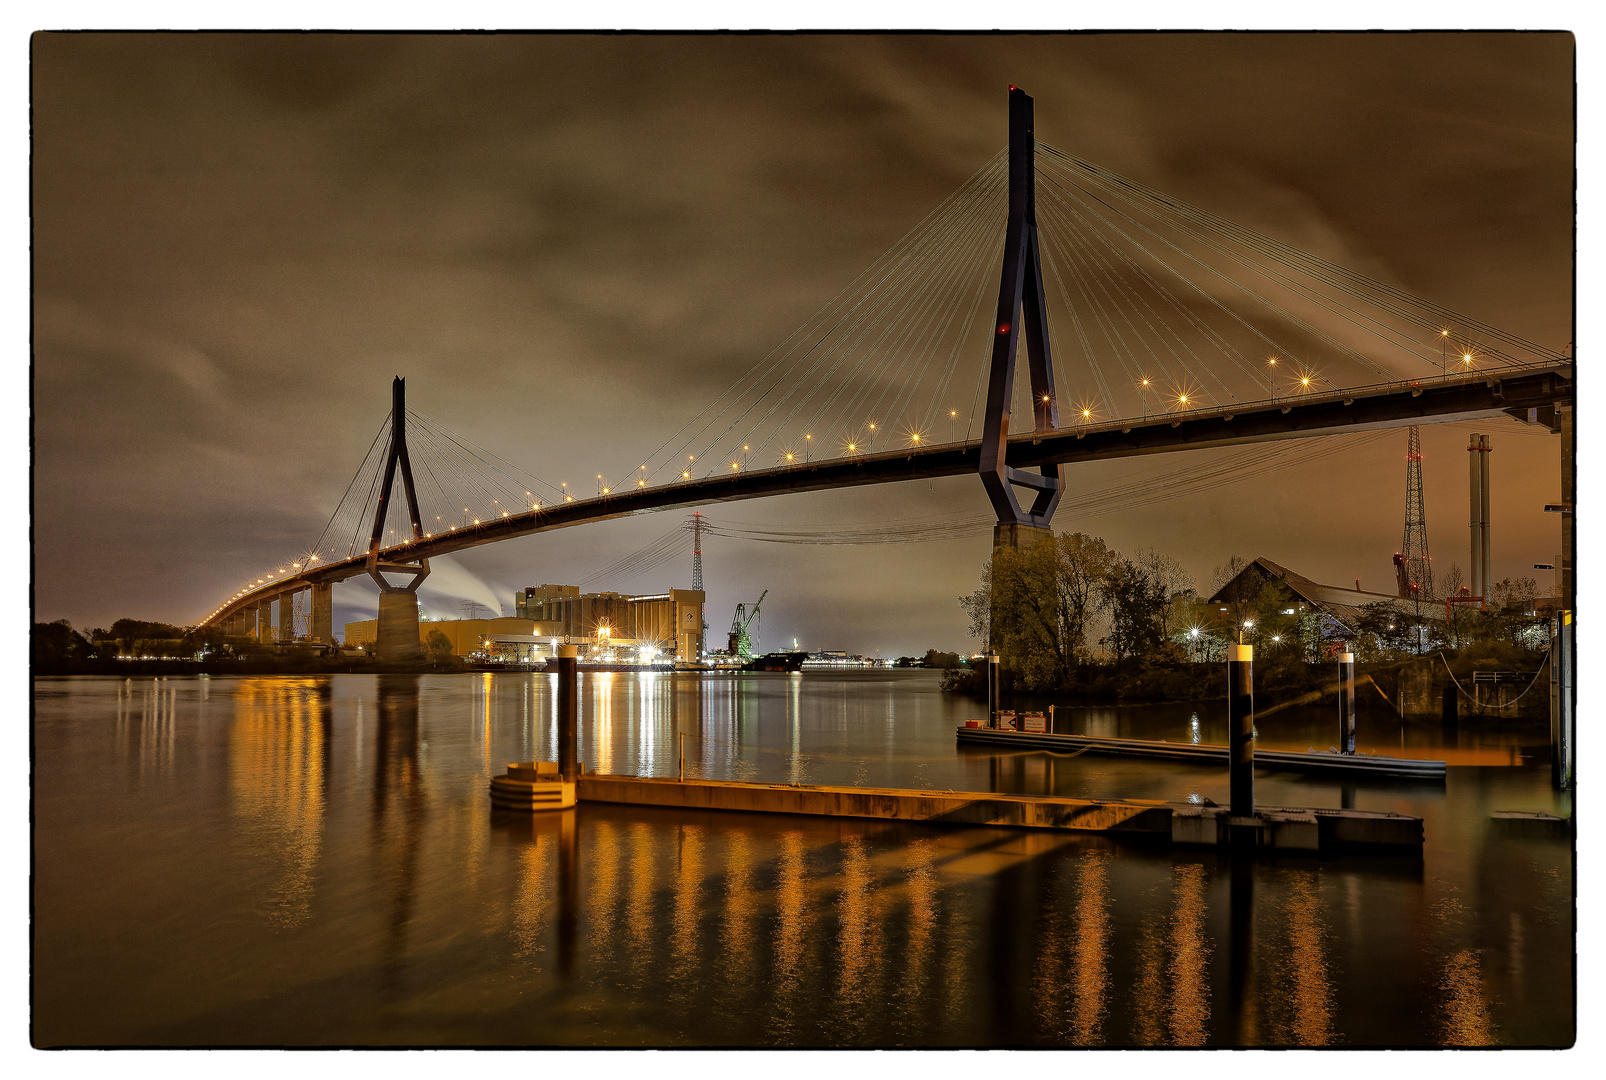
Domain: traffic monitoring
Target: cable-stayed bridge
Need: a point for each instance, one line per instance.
(1148, 325)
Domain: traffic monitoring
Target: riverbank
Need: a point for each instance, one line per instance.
(289, 664)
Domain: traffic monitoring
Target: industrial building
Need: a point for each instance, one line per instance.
(669, 623)
(604, 627)
(515, 640)
(1343, 606)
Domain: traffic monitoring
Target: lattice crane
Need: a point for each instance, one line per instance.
(741, 644)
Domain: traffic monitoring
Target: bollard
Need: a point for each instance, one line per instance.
(1241, 741)
(1346, 702)
(568, 711)
(992, 689)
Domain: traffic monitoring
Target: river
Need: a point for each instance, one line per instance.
(314, 861)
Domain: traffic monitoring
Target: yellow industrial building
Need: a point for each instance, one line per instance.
(603, 626)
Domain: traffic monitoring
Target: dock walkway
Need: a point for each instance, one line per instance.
(1289, 829)
(1326, 763)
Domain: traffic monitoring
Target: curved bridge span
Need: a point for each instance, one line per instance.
(1522, 392)
(912, 306)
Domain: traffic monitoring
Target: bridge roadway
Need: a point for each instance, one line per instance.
(1387, 405)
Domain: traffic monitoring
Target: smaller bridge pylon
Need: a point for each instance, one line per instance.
(398, 604)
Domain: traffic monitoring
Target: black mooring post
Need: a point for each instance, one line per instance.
(1346, 702)
(992, 689)
(1241, 740)
(568, 711)
(1562, 660)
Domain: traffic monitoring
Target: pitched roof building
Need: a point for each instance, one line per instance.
(1343, 605)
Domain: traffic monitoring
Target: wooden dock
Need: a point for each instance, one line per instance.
(1283, 829)
(1323, 763)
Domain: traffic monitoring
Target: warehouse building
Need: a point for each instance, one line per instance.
(671, 623)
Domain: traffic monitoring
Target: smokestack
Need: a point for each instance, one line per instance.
(1486, 561)
(1475, 477)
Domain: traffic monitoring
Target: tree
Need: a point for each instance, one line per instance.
(979, 607)
(935, 659)
(1027, 628)
(57, 642)
(1082, 565)
(438, 646)
(1034, 606)
(1459, 619)
(1238, 596)
(1510, 615)
(1385, 627)
(1134, 600)
(1171, 584)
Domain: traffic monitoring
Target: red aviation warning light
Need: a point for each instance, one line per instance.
(1003, 328)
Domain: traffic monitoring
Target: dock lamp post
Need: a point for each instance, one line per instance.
(1241, 744)
(1346, 702)
(568, 712)
(992, 689)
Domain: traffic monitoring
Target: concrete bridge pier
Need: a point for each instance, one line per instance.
(1019, 536)
(287, 618)
(323, 614)
(264, 621)
(398, 625)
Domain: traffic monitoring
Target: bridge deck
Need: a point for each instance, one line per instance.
(1389, 405)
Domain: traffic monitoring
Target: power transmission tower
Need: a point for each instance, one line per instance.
(697, 551)
(697, 567)
(1416, 576)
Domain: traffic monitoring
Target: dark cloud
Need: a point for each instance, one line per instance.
(569, 244)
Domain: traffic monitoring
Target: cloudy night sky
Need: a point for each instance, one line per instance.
(568, 245)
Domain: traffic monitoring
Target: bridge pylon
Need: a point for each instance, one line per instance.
(1021, 306)
(398, 604)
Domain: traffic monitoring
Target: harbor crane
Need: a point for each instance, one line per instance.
(741, 643)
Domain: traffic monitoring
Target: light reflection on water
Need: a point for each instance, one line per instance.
(307, 861)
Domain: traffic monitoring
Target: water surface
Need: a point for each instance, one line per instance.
(314, 861)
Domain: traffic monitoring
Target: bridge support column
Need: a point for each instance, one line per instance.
(323, 615)
(397, 635)
(1346, 702)
(287, 618)
(1241, 744)
(1022, 314)
(1019, 537)
(568, 712)
(264, 622)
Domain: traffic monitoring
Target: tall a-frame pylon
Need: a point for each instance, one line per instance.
(398, 604)
(1020, 307)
